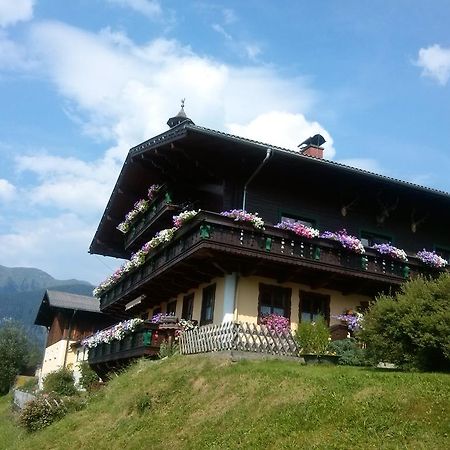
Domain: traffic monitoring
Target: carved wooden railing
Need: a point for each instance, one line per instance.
(145, 341)
(162, 204)
(272, 244)
(238, 336)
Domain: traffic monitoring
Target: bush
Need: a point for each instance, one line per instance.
(46, 409)
(41, 412)
(89, 379)
(313, 337)
(412, 328)
(60, 382)
(167, 349)
(348, 351)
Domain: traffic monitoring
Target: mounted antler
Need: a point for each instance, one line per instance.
(385, 209)
(346, 208)
(416, 222)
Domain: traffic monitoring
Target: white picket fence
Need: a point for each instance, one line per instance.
(238, 336)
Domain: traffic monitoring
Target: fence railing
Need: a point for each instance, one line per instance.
(238, 336)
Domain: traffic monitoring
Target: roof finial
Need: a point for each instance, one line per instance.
(180, 117)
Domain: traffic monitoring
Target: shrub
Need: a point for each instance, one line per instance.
(89, 379)
(411, 328)
(313, 337)
(167, 349)
(41, 412)
(348, 351)
(60, 382)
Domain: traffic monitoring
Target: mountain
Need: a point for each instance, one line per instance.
(21, 292)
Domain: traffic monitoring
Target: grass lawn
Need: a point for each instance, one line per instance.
(199, 402)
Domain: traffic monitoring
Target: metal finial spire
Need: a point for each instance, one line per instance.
(182, 102)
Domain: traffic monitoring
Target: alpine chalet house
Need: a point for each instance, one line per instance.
(68, 318)
(259, 229)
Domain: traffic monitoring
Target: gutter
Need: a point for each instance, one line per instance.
(263, 162)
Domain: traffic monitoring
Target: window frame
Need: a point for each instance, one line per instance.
(375, 234)
(324, 298)
(172, 303)
(187, 311)
(308, 221)
(287, 301)
(205, 292)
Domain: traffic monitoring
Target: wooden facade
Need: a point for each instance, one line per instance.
(208, 170)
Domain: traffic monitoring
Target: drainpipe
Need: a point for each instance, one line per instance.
(68, 338)
(244, 198)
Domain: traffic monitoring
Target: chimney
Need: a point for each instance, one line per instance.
(312, 146)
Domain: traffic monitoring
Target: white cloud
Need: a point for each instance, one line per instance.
(364, 163)
(56, 245)
(13, 11)
(283, 129)
(7, 190)
(125, 92)
(68, 183)
(435, 62)
(149, 8)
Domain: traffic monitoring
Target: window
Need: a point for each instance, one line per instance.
(171, 307)
(274, 300)
(444, 252)
(368, 239)
(188, 306)
(312, 306)
(294, 219)
(207, 314)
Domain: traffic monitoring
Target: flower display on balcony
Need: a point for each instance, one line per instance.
(353, 320)
(391, 251)
(139, 207)
(184, 217)
(152, 191)
(239, 215)
(275, 322)
(347, 241)
(136, 260)
(298, 228)
(163, 318)
(432, 259)
(115, 333)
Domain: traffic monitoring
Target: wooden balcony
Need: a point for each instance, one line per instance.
(143, 342)
(159, 213)
(211, 245)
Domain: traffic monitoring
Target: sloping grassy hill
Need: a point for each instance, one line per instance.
(198, 402)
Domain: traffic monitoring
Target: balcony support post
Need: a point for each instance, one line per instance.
(229, 297)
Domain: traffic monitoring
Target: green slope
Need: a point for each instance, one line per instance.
(198, 402)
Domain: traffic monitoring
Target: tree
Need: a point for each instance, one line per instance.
(411, 328)
(14, 353)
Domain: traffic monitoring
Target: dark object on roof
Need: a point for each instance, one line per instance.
(316, 140)
(179, 118)
(62, 300)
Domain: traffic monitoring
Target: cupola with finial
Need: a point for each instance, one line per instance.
(179, 118)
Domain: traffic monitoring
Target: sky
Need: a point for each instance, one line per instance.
(83, 81)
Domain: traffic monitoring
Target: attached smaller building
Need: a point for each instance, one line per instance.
(68, 319)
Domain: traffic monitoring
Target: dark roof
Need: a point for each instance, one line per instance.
(187, 127)
(54, 300)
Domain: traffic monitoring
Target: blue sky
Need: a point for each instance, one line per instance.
(82, 81)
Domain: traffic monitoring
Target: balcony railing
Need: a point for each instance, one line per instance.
(145, 341)
(161, 206)
(272, 245)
